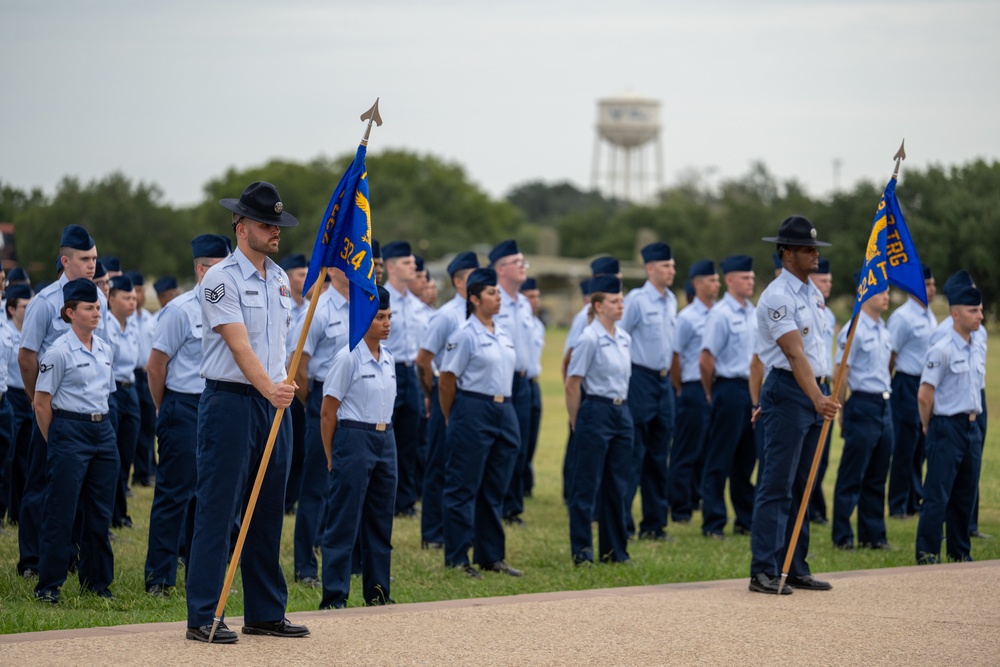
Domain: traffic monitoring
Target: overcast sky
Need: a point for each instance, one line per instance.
(176, 92)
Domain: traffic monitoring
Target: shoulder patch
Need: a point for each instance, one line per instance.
(215, 296)
(450, 346)
(44, 367)
(933, 364)
(776, 315)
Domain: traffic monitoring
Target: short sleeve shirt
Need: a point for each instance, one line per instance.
(365, 387)
(789, 304)
(910, 329)
(690, 326)
(603, 360)
(957, 371)
(729, 337)
(178, 335)
(482, 362)
(869, 357)
(78, 379)
(328, 333)
(650, 319)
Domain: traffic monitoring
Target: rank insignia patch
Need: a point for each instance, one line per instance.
(215, 296)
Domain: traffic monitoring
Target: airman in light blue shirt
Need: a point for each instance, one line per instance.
(482, 362)
(790, 304)
(79, 380)
(910, 329)
(869, 357)
(650, 318)
(690, 326)
(366, 388)
(729, 337)
(327, 334)
(603, 361)
(179, 332)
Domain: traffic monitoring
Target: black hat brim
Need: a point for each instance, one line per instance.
(284, 219)
(810, 243)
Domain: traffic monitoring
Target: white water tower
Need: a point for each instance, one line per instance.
(629, 126)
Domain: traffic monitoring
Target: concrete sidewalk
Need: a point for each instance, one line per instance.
(931, 615)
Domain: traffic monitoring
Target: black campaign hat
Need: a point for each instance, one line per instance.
(210, 245)
(261, 202)
(76, 237)
(796, 230)
(80, 289)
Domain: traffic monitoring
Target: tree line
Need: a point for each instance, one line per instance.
(952, 213)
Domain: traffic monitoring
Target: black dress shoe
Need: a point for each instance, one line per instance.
(309, 581)
(714, 534)
(845, 546)
(502, 567)
(158, 591)
(808, 583)
(655, 536)
(469, 571)
(513, 520)
(741, 530)
(761, 583)
(280, 628)
(223, 635)
(431, 545)
(979, 535)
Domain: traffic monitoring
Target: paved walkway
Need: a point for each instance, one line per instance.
(933, 615)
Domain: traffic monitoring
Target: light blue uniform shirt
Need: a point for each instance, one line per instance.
(298, 319)
(537, 345)
(517, 319)
(125, 347)
(7, 350)
(482, 361)
(957, 371)
(650, 319)
(13, 369)
(831, 328)
(42, 324)
(233, 292)
(603, 361)
(178, 335)
(328, 333)
(576, 328)
(729, 337)
(910, 329)
(78, 379)
(366, 388)
(442, 324)
(146, 328)
(869, 357)
(978, 336)
(687, 342)
(407, 322)
(788, 304)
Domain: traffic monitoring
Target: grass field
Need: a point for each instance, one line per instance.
(541, 547)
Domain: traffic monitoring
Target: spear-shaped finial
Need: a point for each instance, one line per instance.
(898, 157)
(372, 116)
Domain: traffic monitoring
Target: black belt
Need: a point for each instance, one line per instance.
(123, 385)
(609, 401)
(662, 373)
(879, 396)
(364, 426)
(233, 388)
(821, 379)
(170, 392)
(722, 379)
(961, 416)
(484, 397)
(522, 374)
(80, 416)
(316, 385)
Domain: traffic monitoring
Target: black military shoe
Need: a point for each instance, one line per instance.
(761, 583)
(502, 567)
(808, 583)
(280, 628)
(223, 635)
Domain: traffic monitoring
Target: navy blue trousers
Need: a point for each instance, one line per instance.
(905, 472)
(125, 420)
(297, 414)
(730, 453)
(693, 412)
(29, 523)
(791, 432)
(817, 501)
(22, 419)
(144, 465)
(954, 457)
(406, 425)
(981, 420)
(6, 438)
(651, 404)
(232, 432)
(431, 514)
(483, 439)
(361, 500)
(513, 504)
(83, 471)
(171, 518)
(864, 465)
(309, 514)
(604, 439)
(533, 428)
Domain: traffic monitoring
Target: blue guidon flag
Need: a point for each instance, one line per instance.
(890, 258)
(345, 241)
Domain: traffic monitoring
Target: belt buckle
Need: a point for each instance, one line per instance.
(498, 399)
(617, 401)
(380, 426)
(96, 417)
(663, 373)
(885, 396)
(972, 416)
